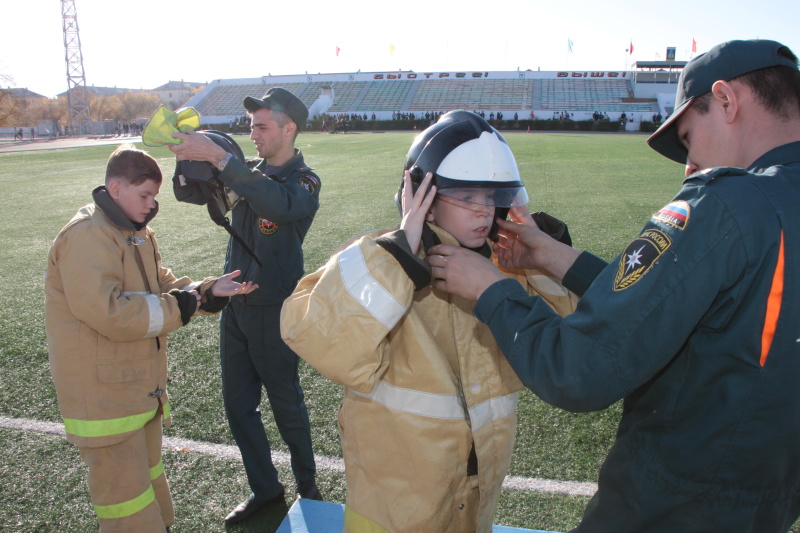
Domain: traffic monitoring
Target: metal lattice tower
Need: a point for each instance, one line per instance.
(77, 94)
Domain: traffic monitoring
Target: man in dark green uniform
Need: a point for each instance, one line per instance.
(279, 196)
(696, 325)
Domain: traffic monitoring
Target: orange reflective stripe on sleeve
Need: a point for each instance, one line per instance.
(773, 306)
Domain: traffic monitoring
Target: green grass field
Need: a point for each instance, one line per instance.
(604, 186)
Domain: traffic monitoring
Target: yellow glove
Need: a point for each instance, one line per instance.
(165, 122)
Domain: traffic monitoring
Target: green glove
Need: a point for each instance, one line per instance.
(165, 122)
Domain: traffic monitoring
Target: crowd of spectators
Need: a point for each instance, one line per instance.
(128, 129)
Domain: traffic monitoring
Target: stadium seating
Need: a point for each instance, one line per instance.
(450, 94)
(227, 99)
(581, 94)
(345, 94)
(367, 94)
(385, 96)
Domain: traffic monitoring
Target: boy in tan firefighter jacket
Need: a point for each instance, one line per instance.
(109, 305)
(429, 414)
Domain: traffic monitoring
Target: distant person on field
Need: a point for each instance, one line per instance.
(109, 306)
(428, 419)
(696, 325)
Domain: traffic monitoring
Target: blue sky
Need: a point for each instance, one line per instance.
(145, 43)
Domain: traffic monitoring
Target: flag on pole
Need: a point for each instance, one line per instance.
(631, 48)
(337, 51)
(391, 49)
(569, 45)
(694, 45)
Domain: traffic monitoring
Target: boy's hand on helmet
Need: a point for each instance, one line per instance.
(415, 208)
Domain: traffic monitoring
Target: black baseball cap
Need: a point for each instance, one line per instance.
(725, 62)
(279, 99)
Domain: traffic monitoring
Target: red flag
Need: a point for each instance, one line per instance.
(694, 45)
(631, 47)
(337, 51)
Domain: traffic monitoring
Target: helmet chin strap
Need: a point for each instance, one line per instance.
(429, 237)
(485, 250)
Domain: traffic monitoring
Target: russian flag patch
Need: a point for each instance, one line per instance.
(675, 214)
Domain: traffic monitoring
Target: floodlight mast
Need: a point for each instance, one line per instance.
(77, 93)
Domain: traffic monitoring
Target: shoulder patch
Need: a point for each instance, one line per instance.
(309, 183)
(639, 257)
(675, 214)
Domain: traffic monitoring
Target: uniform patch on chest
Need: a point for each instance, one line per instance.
(639, 257)
(675, 214)
(266, 227)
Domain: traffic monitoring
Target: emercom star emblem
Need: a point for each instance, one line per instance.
(633, 259)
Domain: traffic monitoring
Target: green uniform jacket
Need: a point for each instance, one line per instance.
(273, 216)
(697, 326)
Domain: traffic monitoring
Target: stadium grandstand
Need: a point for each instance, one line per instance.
(641, 93)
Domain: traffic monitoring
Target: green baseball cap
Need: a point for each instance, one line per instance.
(279, 99)
(725, 62)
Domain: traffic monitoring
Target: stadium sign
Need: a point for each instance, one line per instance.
(591, 74)
(415, 75)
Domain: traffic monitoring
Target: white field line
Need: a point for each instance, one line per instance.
(334, 464)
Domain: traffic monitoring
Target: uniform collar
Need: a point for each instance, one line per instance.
(114, 214)
(782, 155)
(268, 169)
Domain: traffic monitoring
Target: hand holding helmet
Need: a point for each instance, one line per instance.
(415, 205)
(196, 178)
(196, 147)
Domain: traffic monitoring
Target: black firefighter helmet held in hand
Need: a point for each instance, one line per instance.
(470, 161)
(197, 182)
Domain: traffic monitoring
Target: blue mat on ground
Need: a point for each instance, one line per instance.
(311, 516)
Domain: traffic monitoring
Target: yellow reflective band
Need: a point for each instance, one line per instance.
(104, 428)
(356, 523)
(157, 471)
(121, 510)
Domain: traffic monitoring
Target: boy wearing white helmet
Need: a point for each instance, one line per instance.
(428, 418)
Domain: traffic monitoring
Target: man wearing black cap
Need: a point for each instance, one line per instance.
(279, 198)
(696, 325)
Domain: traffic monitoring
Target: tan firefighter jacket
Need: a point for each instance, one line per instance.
(107, 325)
(429, 413)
